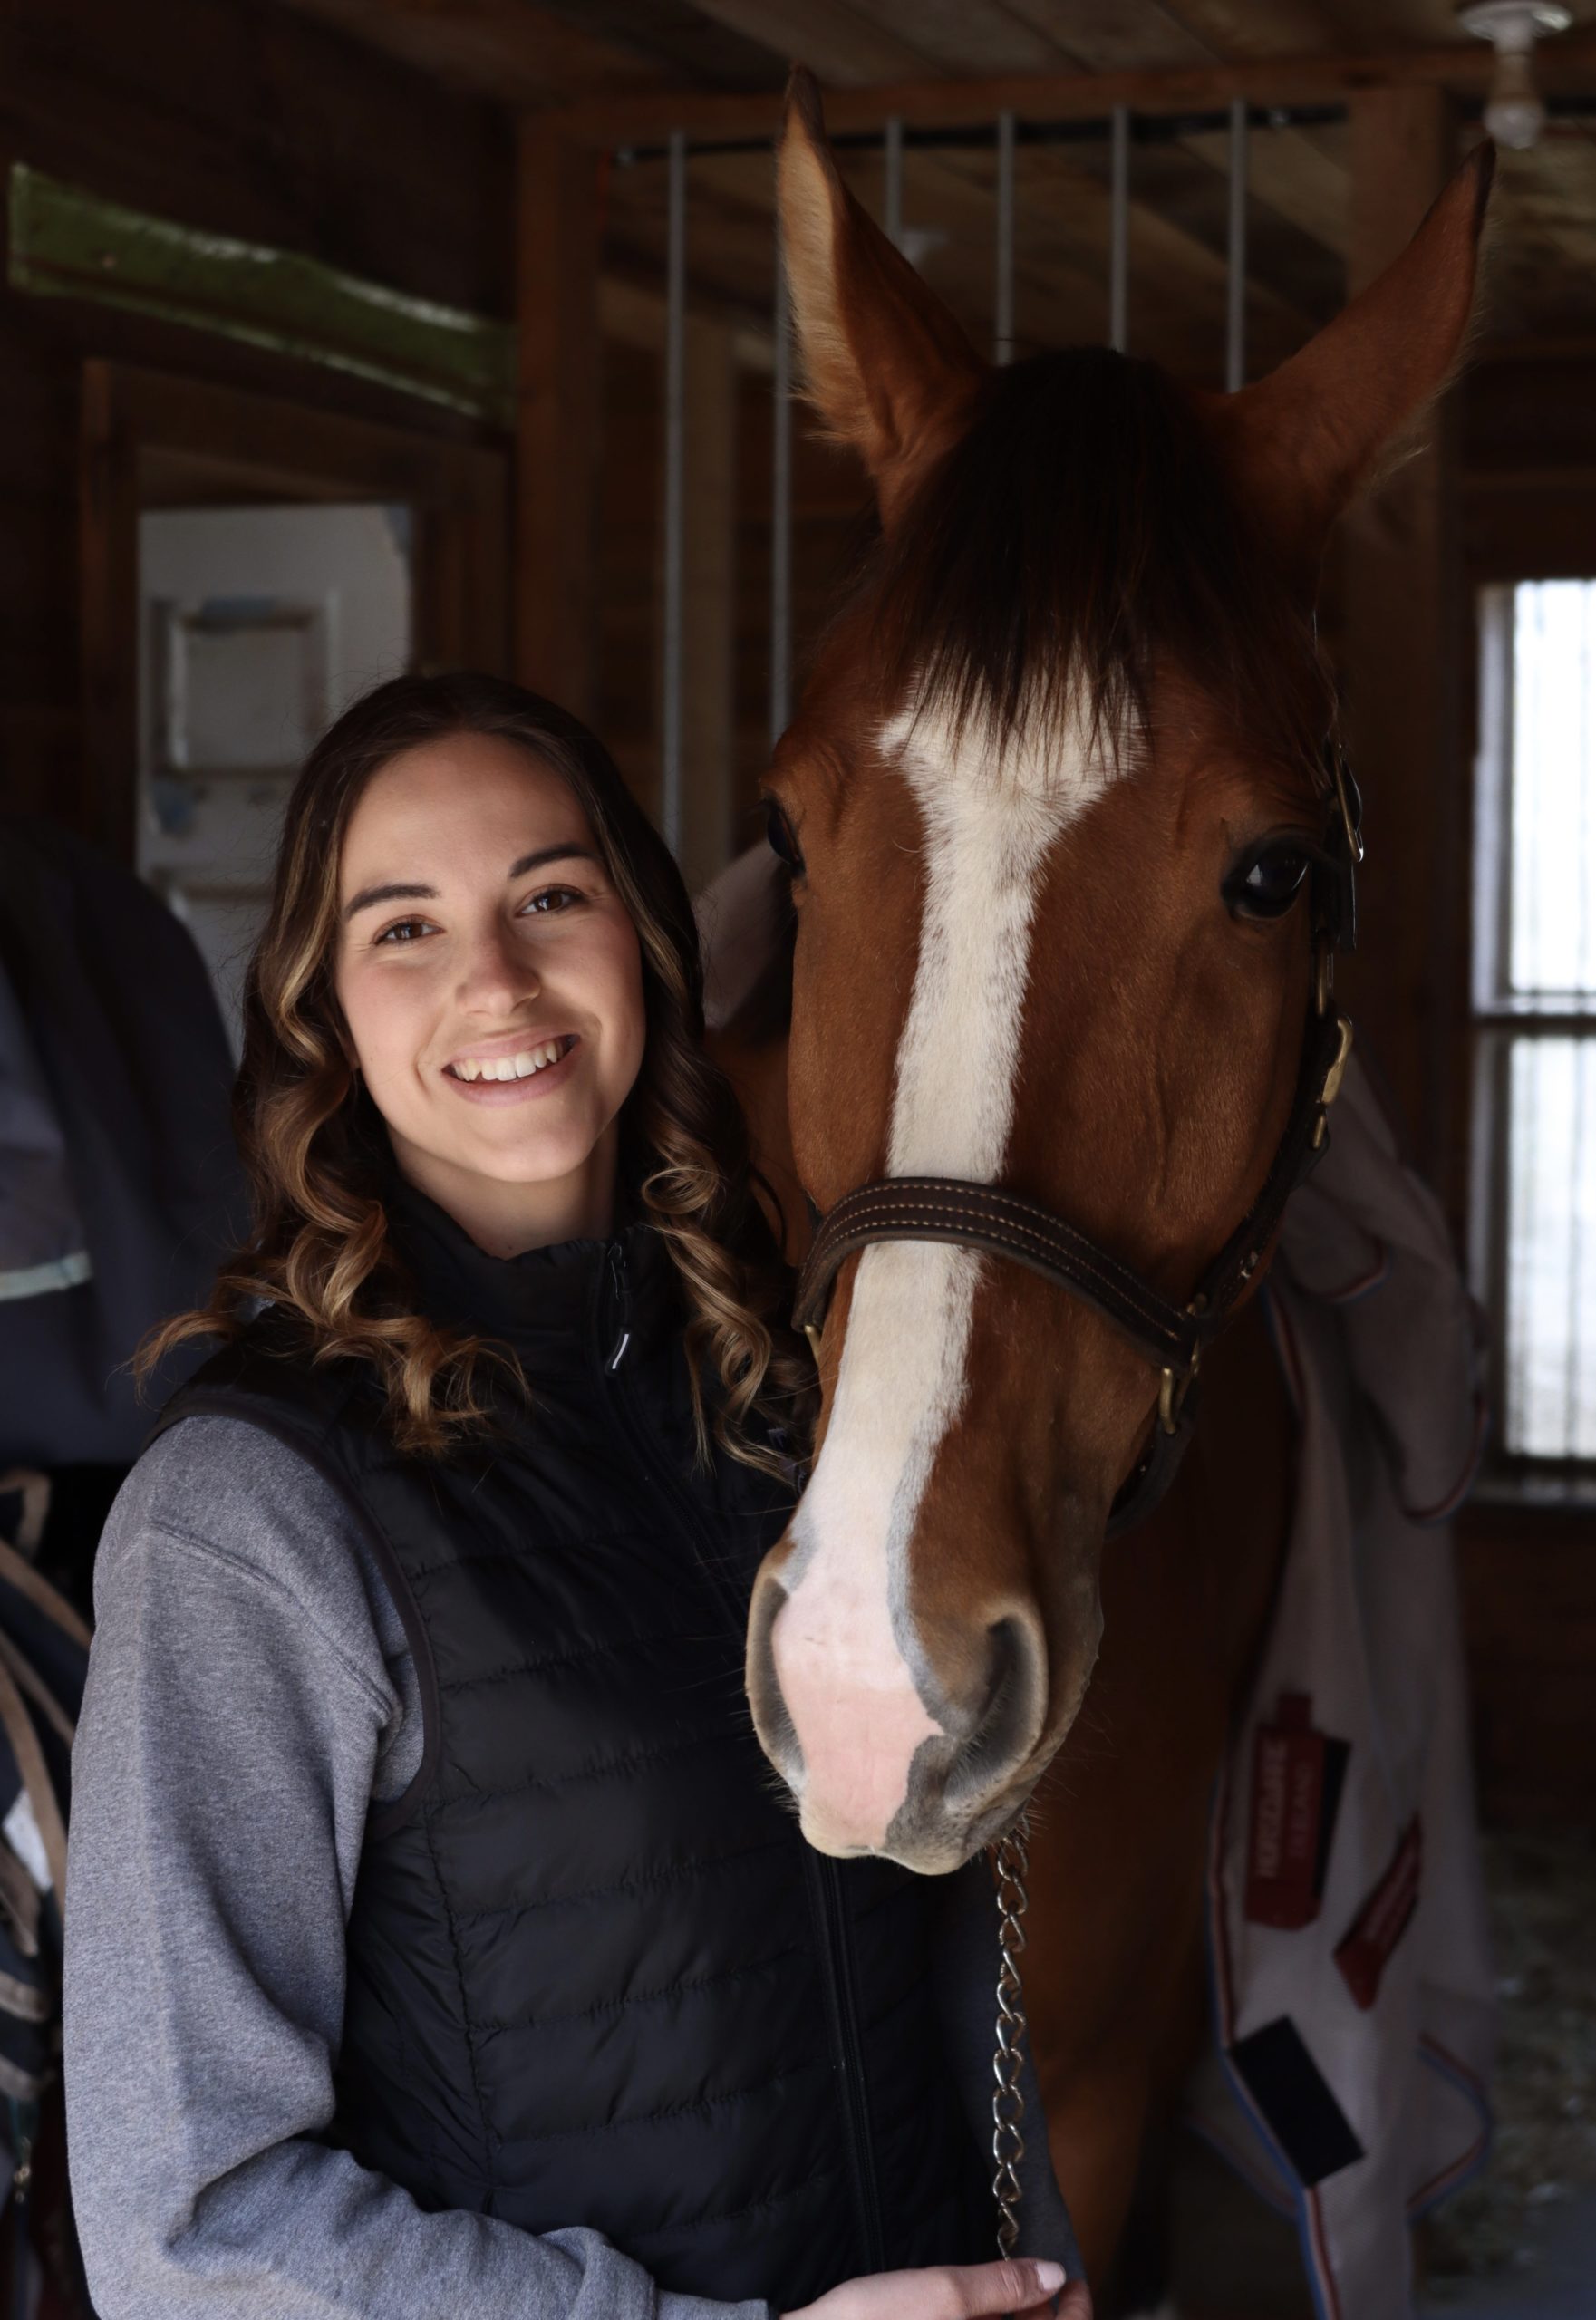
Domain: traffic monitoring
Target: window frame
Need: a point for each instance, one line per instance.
(1498, 1019)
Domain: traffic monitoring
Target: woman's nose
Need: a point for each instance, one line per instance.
(499, 972)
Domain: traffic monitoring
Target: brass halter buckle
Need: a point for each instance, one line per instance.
(1174, 1384)
(1333, 1079)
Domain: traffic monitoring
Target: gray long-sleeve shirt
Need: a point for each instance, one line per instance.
(250, 1695)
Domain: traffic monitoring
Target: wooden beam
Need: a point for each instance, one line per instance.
(1463, 68)
(1402, 628)
(107, 518)
(708, 627)
(557, 413)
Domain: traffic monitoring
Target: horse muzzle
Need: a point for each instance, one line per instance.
(921, 1750)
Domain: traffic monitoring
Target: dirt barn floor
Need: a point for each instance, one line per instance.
(1519, 2242)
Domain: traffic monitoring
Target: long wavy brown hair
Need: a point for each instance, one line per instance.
(316, 1153)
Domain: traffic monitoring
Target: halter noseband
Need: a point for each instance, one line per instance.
(1004, 1224)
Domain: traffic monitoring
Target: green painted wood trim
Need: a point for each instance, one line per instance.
(67, 243)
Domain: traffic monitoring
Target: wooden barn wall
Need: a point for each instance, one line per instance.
(248, 119)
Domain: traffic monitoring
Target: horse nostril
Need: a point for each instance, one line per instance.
(772, 1718)
(1011, 1721)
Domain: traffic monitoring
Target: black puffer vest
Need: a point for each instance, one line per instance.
(595, 1975)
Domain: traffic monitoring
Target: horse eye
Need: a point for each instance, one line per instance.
(782, 843)
(1268, 884)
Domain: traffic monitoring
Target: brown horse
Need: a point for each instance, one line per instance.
(1053, 803)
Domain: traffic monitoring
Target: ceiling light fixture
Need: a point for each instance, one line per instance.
(1515, 113)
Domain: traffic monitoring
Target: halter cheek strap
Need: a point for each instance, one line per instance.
(1005, 1225)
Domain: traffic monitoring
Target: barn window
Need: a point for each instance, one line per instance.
(1534, 1006)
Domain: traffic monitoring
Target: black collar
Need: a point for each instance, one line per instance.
(547, 1303)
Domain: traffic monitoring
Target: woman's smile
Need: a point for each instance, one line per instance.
(535, 1066)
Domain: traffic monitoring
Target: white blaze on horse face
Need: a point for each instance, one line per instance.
(846, 1656)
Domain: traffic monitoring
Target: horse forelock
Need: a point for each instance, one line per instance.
(1081, 533)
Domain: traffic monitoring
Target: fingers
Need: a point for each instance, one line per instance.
(972, 2291)
(956, 2292)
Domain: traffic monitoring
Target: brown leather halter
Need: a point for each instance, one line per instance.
(1004, 1224)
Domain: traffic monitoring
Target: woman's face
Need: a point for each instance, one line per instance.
(492, 983)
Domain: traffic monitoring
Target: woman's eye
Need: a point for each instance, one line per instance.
(403, 931)
(550, 902)
(782, 843)
(1267, 885)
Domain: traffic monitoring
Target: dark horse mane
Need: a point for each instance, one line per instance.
(1080, 532)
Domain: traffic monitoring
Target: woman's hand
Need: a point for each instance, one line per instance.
(955, 2292)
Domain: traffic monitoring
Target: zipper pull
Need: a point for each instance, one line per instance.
(617, 1263)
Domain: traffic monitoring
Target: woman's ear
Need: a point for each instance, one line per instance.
(885, 364)
(1302, 441)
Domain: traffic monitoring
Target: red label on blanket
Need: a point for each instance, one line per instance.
(1366, 1947)
(1287, 1795)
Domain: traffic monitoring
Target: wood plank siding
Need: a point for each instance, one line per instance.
(242, 117)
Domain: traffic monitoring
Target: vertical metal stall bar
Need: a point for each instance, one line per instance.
(675, 513)
(1236, 314)
(1119, 229)
(780, 503)
(892, 163)
(1575, 1358)
(1003, 299)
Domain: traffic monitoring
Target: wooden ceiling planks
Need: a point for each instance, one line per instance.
(836, 39)
(1117, 34)
(679, 39)
(520, 54)
(946, 33)
(1257, 29)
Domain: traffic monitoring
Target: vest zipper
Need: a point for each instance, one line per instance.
(842, 2004)
(821, 1872)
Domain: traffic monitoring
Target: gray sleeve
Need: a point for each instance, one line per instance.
(240, 1705)
(967, 1976)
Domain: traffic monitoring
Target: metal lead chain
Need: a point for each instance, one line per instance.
(1011, 1860)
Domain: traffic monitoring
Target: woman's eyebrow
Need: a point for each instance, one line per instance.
(369, 896)
(567, 853)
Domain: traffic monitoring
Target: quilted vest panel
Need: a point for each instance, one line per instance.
(595, 1975)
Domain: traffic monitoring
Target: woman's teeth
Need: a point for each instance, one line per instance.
(509, 1066)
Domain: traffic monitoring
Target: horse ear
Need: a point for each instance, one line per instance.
(1303, 439)
(884, 362)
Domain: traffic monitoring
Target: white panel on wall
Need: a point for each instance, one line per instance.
(257, 626)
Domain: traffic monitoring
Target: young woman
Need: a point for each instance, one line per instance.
(438, 1943)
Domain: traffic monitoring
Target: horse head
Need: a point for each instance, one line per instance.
(1053, 798)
